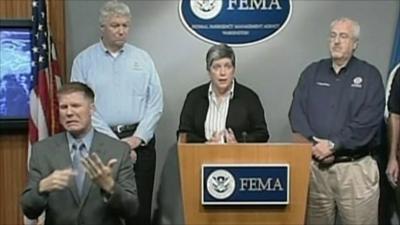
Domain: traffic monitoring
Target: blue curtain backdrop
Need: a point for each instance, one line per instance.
(394, 61)
(386, 200)
(396, 47)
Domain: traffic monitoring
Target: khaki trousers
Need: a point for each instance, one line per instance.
(350, 189)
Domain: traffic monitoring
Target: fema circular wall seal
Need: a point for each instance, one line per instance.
(235, 22)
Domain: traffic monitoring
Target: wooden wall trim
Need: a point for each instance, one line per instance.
(57, 25)
(13, 161)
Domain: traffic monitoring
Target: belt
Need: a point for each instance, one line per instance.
(351, 158)
(118, 129)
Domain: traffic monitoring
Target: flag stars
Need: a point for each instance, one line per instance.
(40, 47)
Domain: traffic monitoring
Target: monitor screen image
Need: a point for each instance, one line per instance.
(15, 69)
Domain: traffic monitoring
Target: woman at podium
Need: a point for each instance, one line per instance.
(222, 110)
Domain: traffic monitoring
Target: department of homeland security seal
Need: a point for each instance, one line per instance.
(206, 9)
(220, 184)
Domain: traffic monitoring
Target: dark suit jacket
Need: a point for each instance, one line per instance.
(65, 206)
(245, 115)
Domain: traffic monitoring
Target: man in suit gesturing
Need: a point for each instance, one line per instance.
(67, 177)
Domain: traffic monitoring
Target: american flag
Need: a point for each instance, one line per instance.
(43, 120)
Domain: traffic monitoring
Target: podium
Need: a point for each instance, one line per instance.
(193, 156)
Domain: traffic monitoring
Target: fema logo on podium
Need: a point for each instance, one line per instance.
(235, 22)
(245, 184)
(220, 184)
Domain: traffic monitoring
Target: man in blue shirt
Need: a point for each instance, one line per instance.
(338, 105)
(128, 95)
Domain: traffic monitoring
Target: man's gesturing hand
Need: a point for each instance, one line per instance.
(100, 173)
(57, 180)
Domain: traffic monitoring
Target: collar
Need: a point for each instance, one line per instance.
(231, 91)
(344, 67)
(87, 139)
(105, 50)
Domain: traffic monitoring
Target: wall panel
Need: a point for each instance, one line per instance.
(13, 176)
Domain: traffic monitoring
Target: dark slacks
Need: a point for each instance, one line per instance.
(144, 168)
(144, 172)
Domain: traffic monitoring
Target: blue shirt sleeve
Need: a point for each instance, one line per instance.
(154, 106)
(298, 110)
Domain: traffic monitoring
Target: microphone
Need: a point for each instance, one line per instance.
(244, 136)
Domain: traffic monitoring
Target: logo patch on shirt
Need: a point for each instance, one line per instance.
(137, 66)
(357, 82)
(323, 84)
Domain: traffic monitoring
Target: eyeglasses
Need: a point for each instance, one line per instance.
(341, 36)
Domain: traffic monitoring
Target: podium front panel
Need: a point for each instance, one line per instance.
(193, 156)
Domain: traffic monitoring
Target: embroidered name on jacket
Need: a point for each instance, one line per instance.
(323, 84)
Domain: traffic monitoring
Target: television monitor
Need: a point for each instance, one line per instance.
(15, 73)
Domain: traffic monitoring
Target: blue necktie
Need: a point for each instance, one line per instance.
(79, 153)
